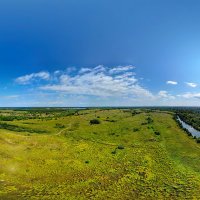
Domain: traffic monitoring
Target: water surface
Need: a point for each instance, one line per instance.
(192, 130)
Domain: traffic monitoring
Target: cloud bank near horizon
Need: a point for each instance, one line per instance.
(104, 85)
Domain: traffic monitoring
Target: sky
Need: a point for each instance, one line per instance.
(99, 53)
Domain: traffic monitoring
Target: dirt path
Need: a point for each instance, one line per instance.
(60, 132)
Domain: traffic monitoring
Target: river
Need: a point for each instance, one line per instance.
(192, 130)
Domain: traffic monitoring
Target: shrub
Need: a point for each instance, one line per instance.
(120, 147)
(149, 120)
(157, 132)
(59, 126)
(143, 123)
(135, 113)
(198, 140)
(114, 152)
(94, 121)
(189, 134)
(110, 120)
(16, 128)
(135, 129)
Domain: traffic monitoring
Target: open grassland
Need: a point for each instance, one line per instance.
(129, 155)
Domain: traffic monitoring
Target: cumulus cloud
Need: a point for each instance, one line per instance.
(172, 82)
(31, 77)
(191, 84)
(99, 81)
(97, 86)
(189, 95)
(84, 69)
(165, 94)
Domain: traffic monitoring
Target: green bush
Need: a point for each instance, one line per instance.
(120, 147)
(114, 152)
(94, 121)
(143, 123)
(59, 126)
(198, 140)
(16, 128)
(149, 120)
(157, 132)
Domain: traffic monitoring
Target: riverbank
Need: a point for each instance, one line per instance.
(191, 131)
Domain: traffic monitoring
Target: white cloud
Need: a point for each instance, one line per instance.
(191, 84)
(120, 69)
(165, 94)
(31, 77)
(83, 70)
(172, 82)
(64, 78)
(57, 72)
(101, 86)
(189, 95)
(99, 82)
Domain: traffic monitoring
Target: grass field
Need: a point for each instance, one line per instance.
(129, 155)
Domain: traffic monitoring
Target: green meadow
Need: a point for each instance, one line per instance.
(127, 154)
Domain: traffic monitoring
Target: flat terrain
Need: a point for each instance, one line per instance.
(129, 155)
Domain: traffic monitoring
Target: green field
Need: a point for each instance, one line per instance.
(131, 154)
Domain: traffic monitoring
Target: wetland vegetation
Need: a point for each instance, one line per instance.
(139, 153)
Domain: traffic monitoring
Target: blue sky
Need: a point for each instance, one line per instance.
(99, 53)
